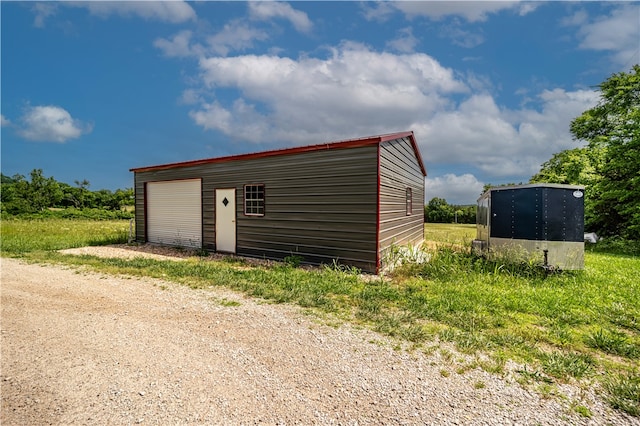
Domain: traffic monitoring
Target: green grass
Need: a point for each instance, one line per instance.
(449, 233)
(21, 236)
(563, 327)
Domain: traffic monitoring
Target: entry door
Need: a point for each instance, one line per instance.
(226, 220)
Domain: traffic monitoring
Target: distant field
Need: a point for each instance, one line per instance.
(449, 232)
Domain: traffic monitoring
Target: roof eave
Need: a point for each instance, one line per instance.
(351, 143)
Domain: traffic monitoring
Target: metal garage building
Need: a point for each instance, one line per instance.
(347, 201)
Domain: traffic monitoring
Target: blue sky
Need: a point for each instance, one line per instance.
(92, 89)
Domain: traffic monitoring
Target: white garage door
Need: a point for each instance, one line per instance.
(174, 213)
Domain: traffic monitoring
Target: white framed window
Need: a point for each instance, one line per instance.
(409, 201)
(254, 200)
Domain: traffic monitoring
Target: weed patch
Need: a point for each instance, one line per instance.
(560, 364)
(623, 392)
(613, 342)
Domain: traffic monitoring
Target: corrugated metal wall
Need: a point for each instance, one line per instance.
(320, 205)
(399, 170)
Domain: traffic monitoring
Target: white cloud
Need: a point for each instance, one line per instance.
(578, 18)
(379, 11)
(471, 11)
(406, 42)
(617, 32)
(190, 97)
(235, 36)
(460, 37)
(42, 12)
(266, 10)
(4, 121)
(456, 189)
(174, 12)
(51, 124)
(354, 91)
(177, 46)
(503, 142)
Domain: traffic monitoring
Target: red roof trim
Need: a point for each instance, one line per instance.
(378, 218)
(352, 143)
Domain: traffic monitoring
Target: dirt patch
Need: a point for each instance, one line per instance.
(153, 251)
(84, 348)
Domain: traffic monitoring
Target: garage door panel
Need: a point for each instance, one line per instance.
(174, 213)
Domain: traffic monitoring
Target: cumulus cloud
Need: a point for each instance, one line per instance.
(354, 91)
(51, 124)
(4, 121)
(617, 32)
(503, 142)
(235, 36)
(379, 11)
(456, 189)
(177, 46)
(267, 10)
(472, 11)
(405, 42)
(175, 12)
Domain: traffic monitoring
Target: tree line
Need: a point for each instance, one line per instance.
(439, 211)
(39, 193)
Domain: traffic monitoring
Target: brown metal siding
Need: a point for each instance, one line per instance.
(320, 205)
(399, 170)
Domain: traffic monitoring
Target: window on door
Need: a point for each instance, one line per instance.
(254, 200)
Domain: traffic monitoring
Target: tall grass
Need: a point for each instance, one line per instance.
(19, 236)
(570, 326)
(458, 234)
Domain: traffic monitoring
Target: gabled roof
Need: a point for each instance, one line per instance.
(351, 143)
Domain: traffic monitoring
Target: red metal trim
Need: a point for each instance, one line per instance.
(378, 217)
(352, 143)
(418, 156)
(202, 214)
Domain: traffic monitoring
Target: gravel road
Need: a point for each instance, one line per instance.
(85, 348)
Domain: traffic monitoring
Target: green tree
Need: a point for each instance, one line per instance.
(5, 180)
(42, 192)
(578, 166)
(11, 194)
(439, 211)
(23, 196)
(78, 196)
(612, 129)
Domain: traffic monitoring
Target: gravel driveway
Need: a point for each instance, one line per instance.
(85, 348)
